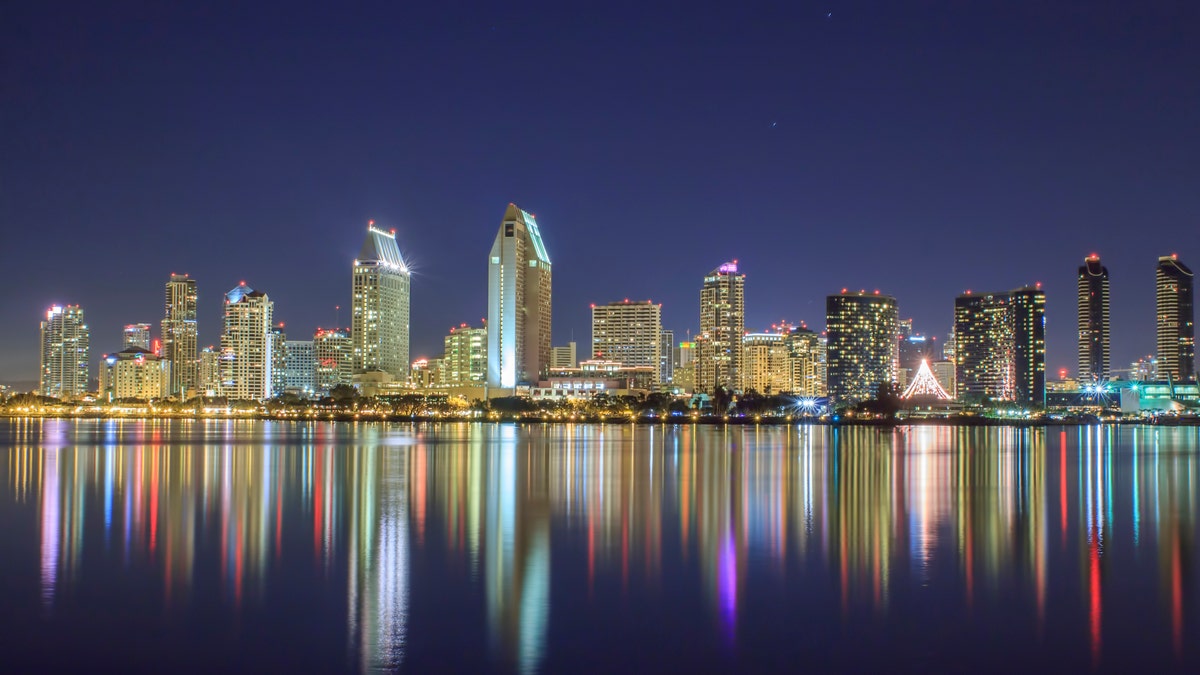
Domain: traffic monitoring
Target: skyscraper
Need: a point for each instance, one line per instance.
(332, 359)
(246, 342)
(1029, 345)
(137, 335)
(806, 357)
(722, 325)
(518, 321)
(666, 356)
(382, 291)
(65, 353)
(1000, 346)
(862, 351)
(278, 360)
(465, 356)
(628, 332)
(300, 367)
(1175, 286)
(179, 334)
(765, 364)
(1094, 362)
(208, 372)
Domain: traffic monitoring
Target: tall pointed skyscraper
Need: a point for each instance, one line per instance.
(518, 327)
(1175, 301)
(179, 335)
(382, 291)
(1094, 361)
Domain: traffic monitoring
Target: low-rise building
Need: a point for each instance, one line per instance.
(134, 373)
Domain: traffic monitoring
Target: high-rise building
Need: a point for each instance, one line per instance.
(1000, 346)
(179, 334)
(765, 363)
(722, 325)
(1029, 345)
(246, 343)
(333, 359)
(278, 360)
(862, 350)
(1094, 363)
(137, 335)
(1175, 302)
(628, 332)
(65, 353)
(382, 292)
(685, 367)
(518, 321)
(300, 368)
(666, 357)
(465, 356)
(209, 372)
(806, 356)
(136, 373)
(564, 356)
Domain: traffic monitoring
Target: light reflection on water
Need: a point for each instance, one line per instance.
(548, 548)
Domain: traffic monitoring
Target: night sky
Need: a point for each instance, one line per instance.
(919, 148)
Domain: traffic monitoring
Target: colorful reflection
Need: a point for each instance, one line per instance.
(538, 524)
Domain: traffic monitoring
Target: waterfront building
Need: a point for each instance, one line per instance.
(627, 332)
(1093, 320)
(382, 286)
(1001, 346)
(806, 359)
(300, 368)
(333, 359)
(635, 377)
(1145, 368)
(65, 353)
(722, 325)
(766, 363)
(564, 356)
(666, 356)
(1175, 304)
(246, 343)
(179, 336)
(209, 372)
(136, 335)
(519, 302)
(135, 373)
(684, 377)
(465, 356)
(862, 350)
(278, 360)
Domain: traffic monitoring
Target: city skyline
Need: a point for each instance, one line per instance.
(880, 147)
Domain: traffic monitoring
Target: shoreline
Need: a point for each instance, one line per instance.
(644, 421)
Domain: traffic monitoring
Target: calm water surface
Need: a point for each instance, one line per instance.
(209, 545)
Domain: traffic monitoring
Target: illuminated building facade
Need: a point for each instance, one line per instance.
(209, 372)
(300, 368)
(465, 356)
(278, 360)
(246, 343)
(861, 351)
(380, 306)
(178, 330)
(722, 325)
(564, 356)
(684, 377)
(1094, 359)
(806, 359)
(766, 366)
(136, 373)
(1176, 335)
(65, 353)
(628, 332)
(666, 357)
(332, 359)
(136, 335)
(1001, 346)
(519, 276)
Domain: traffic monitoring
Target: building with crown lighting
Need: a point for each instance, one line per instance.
(134, 373)
(862, 350)
(519, 302)
(1093, 321)
(136, 335)
(380, 306)
(722, 325)
(65, 353)
(1176, 322)
(179, 336)
(627, 332)
(246, 344)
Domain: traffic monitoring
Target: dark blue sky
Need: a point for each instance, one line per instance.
(921, 148)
